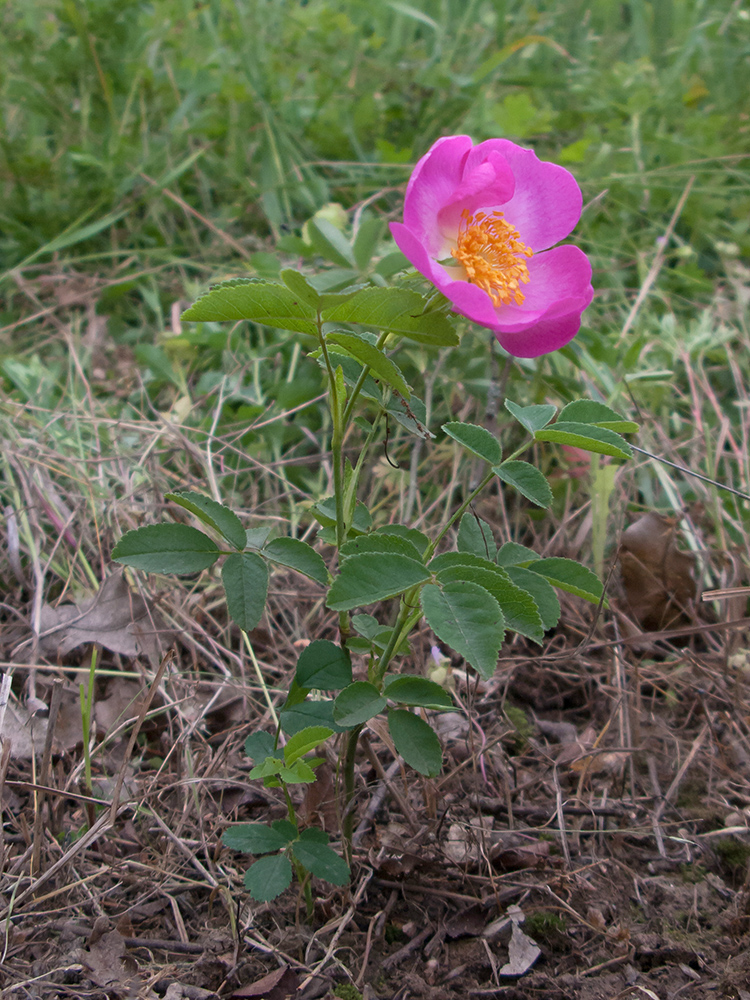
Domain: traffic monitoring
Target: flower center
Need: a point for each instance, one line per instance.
(493, 256)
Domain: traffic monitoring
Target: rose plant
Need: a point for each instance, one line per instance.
(480, 223)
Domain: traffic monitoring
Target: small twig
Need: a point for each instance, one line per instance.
(54, 709)
(391, 786)
(673, 788)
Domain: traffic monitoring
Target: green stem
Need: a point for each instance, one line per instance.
(459, 513)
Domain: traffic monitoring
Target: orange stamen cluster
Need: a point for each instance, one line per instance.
(492, 254)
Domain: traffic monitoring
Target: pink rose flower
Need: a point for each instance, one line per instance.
(479, 222)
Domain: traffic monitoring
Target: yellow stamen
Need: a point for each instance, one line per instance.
(492, 254)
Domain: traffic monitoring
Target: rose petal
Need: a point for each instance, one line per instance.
(559, 283)
(541, 338)
(546, 204)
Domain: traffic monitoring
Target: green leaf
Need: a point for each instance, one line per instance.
(268, 877)
(357, 703)
(300, 287)
(214, 514)
(587, 436)
(373, 577)
(415, 741)
(352, 370)
(397, 310)
(589, 411)
(260, 301)
(534, 417)
(256, 537)
(256, 838)
(298, 773)
(570, 576)
(321, 860)
(380, 542)
(468, 618)
(475, 536)
(304, 741)
(527, 479)
(379, 363)
(419, 540)
(411, 415)
(307, 713)
(245, 579)
(324, 665)
(369, 232)
(542, 592)
(517, 605)
(418, 691)
(166, 548)
(325, 512)
(475, 439)
(296, 554)
(513, 554)
(260, 745)
(330, 242)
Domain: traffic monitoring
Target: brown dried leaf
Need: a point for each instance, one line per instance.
(657, 577)
(26, 732)
(275, 986)
(115, 618)
(531, 855)
(108, 964)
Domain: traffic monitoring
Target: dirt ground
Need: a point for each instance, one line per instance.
(587, 839)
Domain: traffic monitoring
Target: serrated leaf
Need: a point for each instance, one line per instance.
(256, 537)
(245, 579)
(527, 479)
(542, 592)
(325, 512)
(533, 417)
(322, 861)
(268, 877)
(590, 411)
(260, 745)
(415, 741)
(467, 618)
(214, 514)
(307, 713)
(166, 548)
(589, 437)
(330, 242)
(324, 665)
(298, 773)
(300, 287)
(517, 605)
(372, 577)
(315, 835)
(397, 310)
(417, 691)
(570, 576)
(357, 703)
(411, 415)
(478, 440)
(260, 301)
(296, 554)
(513, 554)
(367, 354)
(475, 536)
(380, 542)
(255, 838)
(304, 741)
(419, 540)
